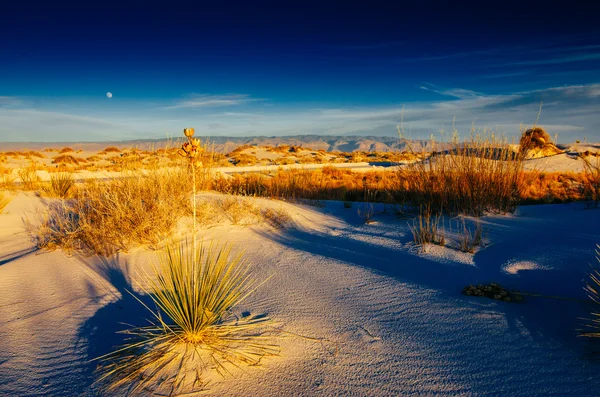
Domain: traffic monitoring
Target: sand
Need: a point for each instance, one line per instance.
(365, 313)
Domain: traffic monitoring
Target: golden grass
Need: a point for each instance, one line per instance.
(426, 230)
(477, 176)
(592, 179)
(4, 200)
(29, 177)
(112, 149)
(193, 327)
(66, 150)
(105, 217)
(61, 185)
(65, 159)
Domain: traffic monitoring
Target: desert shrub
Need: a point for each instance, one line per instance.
(474, 177)
(29, 177)
(425, 229)
(470, 240)
(32, 153)
(66, 150)
(592, 179)
(65, 159)
(112, 149)
(4, 200)
(107, 216)
(243, 159)
(61, 185)
(534, 138)
(238, 150)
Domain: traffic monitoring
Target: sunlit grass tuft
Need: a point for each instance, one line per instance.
(4, 200)
(60, 185)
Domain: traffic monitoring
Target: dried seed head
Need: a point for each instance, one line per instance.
(188, 132)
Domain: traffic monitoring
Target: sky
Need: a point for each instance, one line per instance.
(296, 68)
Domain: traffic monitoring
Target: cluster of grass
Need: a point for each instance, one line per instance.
(592, 179)
(106, 216)
(477, 176)
(61, 185)
(4, 200)
(426, 228)
(470, 240)
(593, 289)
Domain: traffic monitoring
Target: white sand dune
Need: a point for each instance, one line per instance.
(366, 314)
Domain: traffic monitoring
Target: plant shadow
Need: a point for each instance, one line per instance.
(100, 334)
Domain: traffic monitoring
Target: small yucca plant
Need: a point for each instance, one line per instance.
(192, 329)
(61, 185)
(593, 289)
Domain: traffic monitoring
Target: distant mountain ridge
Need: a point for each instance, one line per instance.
(224, 144)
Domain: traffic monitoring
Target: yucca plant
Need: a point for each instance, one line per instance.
(193, 329)
(61, 185)
(593, 289)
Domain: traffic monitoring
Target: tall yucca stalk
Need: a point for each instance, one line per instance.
(192, 329)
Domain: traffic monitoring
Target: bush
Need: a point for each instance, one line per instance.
(475, 177)
(105, 217)
(61, 185)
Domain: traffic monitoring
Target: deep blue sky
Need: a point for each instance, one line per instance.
(275, 69)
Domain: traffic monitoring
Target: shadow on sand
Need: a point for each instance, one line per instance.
(100, 333)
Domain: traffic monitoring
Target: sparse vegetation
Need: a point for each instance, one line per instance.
(196, 288)
(593, 290)
(470, 240)
(592, 179)
(61, 185)
(474, 177)
(66, 150)
(4, 200)
(426, 228)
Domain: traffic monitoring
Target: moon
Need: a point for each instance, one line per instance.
(109, 95)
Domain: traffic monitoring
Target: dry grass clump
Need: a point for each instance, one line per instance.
(474, 177)
(426, 230)
(61, 185)
(4, 200)
(65, 159)
(29, 177)
(66, 150)
(534, 138)
(593, 290)
(112, 149)
(592, 179)
(104, 217)
(470, 240)
(244, 159)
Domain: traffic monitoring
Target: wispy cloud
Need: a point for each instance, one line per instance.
(556, 60)
(203, 100)
(10, 102)
(568, 110)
